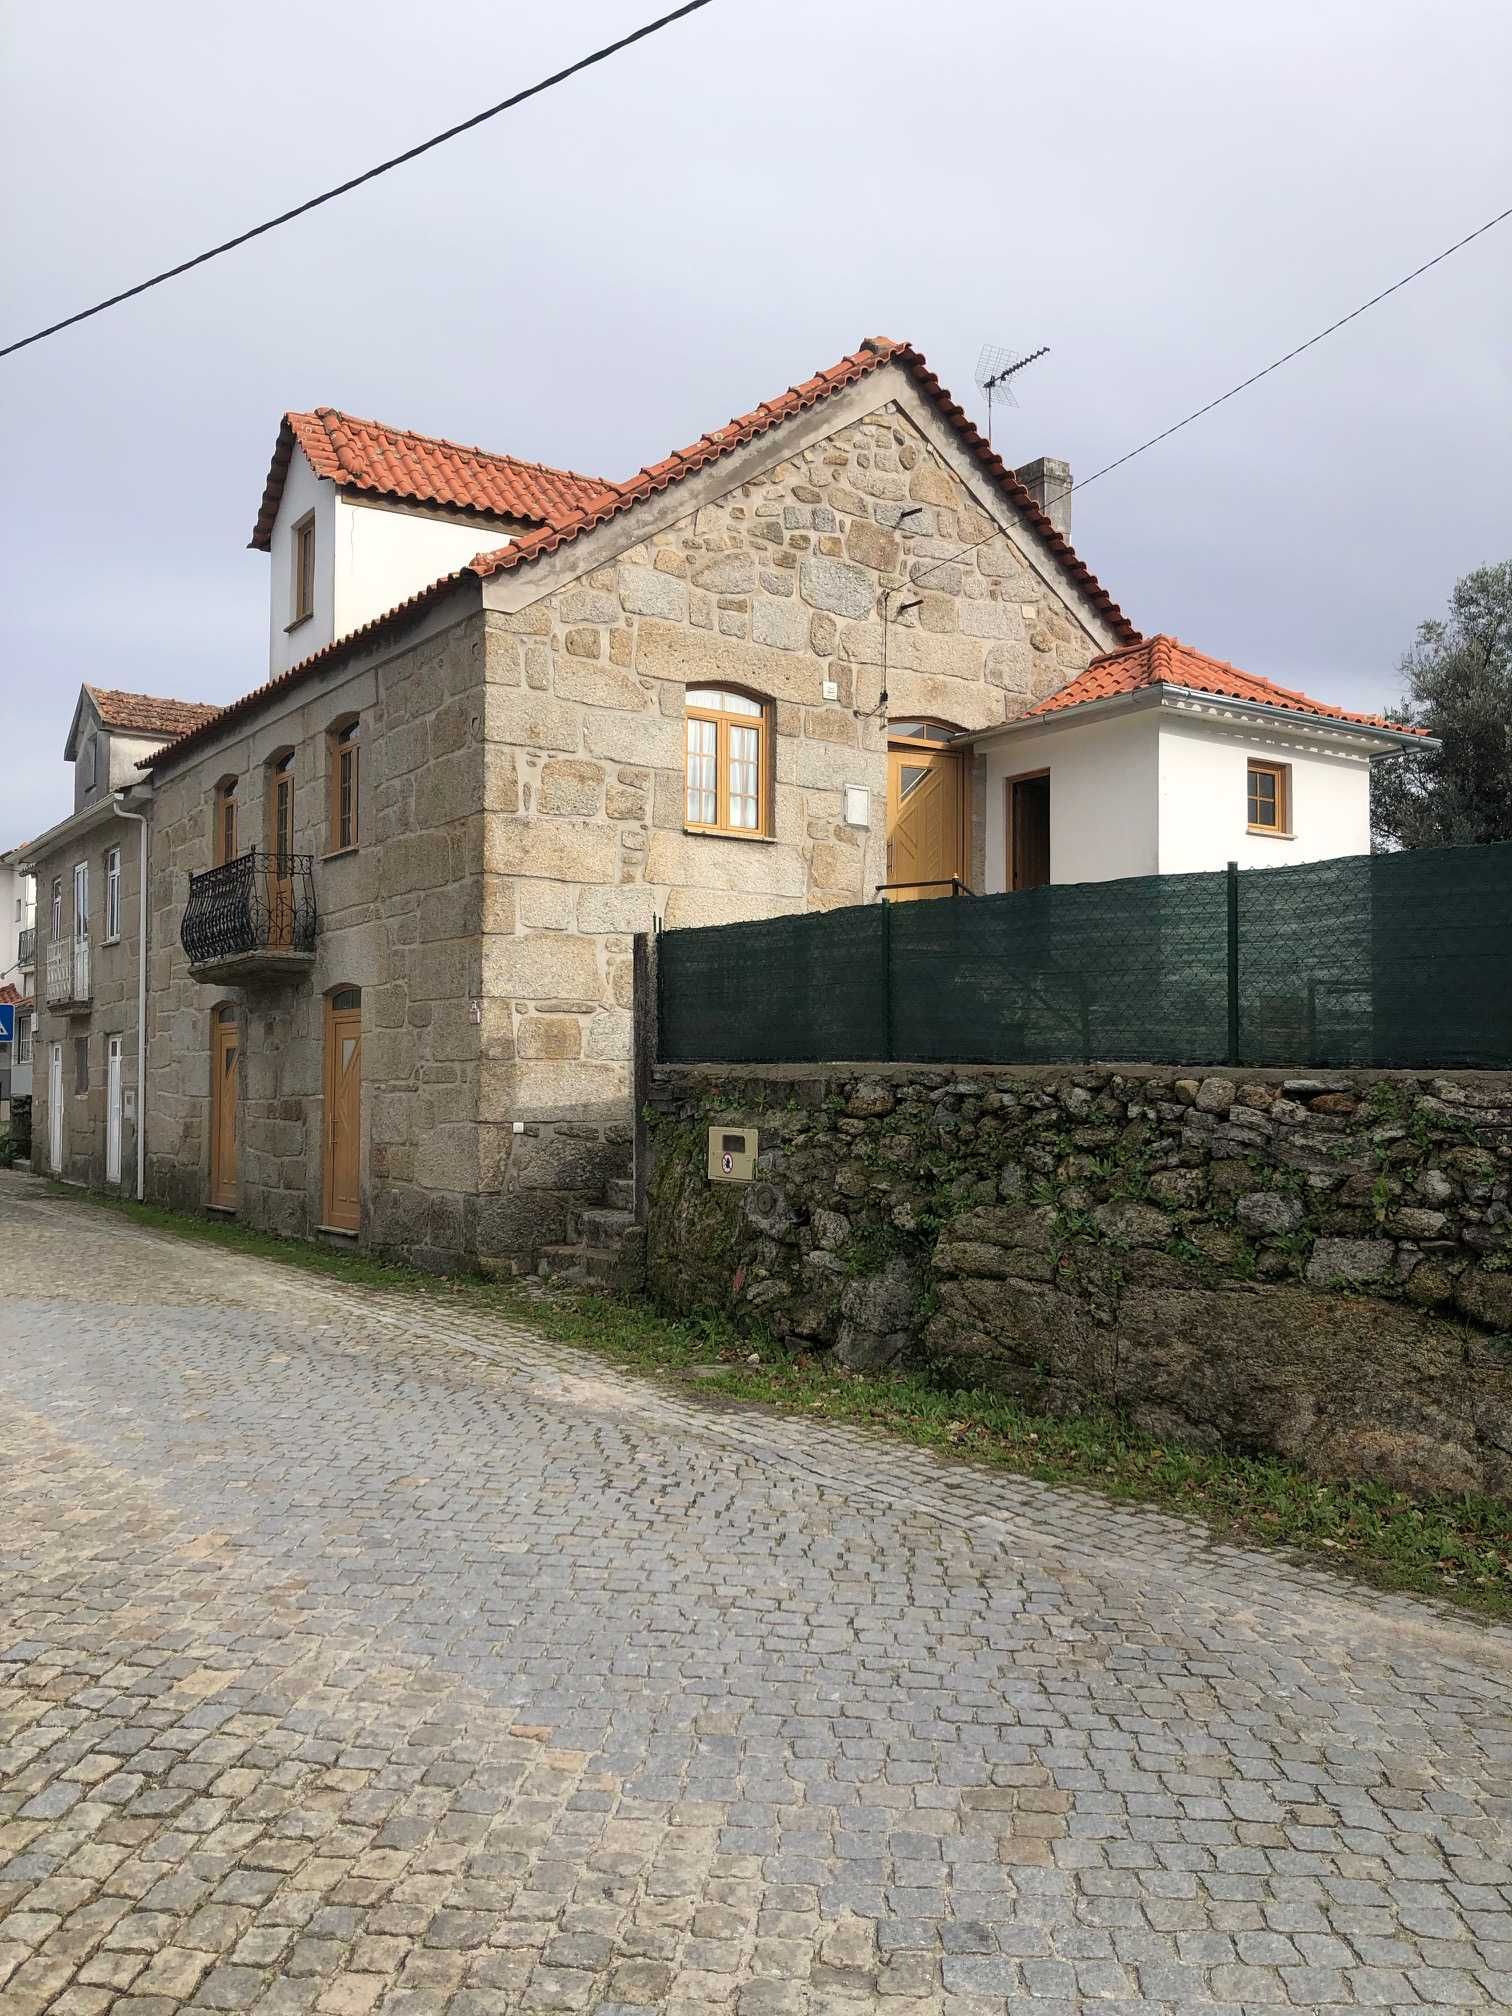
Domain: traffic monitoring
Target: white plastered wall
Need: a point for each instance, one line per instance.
(1104, 795)
(1203, 797)
(384, 555)
(303, 491)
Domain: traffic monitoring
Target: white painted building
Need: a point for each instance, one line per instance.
(356, 517)
(1158, 760)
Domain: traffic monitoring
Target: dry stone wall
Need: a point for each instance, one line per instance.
(1315, 1266)
(775, 588)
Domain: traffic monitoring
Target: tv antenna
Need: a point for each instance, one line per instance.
(996, 368)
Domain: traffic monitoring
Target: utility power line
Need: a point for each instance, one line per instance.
(1243, 385)
(368, 175)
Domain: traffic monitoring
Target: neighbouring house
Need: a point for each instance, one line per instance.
(1158, 760)
(18, 899)
(87, 871)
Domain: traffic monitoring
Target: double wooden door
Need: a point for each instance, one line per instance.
(926, 822)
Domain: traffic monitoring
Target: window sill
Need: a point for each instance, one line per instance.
(340, 853)
(111, 941)
(300, 621)
(1269, 833)
(722, 833)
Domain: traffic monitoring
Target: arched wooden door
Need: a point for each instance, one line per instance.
(225, 1052)
(926, 812)
(343, 1110)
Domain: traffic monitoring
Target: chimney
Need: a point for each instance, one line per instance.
(1049, 484)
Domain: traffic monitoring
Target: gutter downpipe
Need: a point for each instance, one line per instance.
(141, 1126)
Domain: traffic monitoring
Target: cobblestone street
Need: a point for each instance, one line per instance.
(357, 1655)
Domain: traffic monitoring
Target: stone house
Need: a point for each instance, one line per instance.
(393, 891)
(87, 873)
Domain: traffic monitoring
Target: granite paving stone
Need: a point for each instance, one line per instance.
(363, 1651)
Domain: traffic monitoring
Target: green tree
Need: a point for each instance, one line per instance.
(1459, 687)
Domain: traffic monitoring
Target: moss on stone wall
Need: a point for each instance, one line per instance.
(1320, 1267)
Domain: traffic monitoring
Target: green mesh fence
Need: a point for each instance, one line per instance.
(1391, 959)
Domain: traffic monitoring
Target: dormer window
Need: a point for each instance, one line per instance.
(303, 598)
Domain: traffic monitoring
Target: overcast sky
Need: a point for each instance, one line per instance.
(1168, 193)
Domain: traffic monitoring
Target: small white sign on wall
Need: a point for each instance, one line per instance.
(857, 805)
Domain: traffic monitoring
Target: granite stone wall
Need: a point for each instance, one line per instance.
(775, 588)
(1316, 1266)
(400, 919)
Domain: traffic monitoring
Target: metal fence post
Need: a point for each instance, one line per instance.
(645, 1042)
(1233, 962)
(887, 982)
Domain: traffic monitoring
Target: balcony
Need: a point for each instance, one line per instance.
(26, 949)
(68, 982)
(252, 918)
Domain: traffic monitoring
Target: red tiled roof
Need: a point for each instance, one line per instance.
(874, 352)
(419, 469)
(145, 714)
(1166, 661)
(10, 997)
(614, 499)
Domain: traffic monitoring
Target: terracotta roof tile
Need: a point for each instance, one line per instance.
(145, 714)
(1166, 661)
(420, 469)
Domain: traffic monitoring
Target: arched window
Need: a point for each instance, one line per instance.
(341, 785)
(728, 761)
(223, 835)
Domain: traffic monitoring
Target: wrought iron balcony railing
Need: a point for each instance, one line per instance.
(26, 948)
(67, 971)
(256, 912)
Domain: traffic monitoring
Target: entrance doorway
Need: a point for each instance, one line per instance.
(55, 1109)
(1029, 830)
(225, 1049)
(280, 893)
(926, 812)
(112, 1109)
(341, 1204)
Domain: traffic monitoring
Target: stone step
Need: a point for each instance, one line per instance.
(619, 1193)
(561, 1263)
(603, 1225)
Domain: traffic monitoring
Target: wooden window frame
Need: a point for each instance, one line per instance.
(1281, 772)
(112, 917)
(723, 722)
(278, 765)
(223, 842)
(302, 570)
(343, 786)
(55, 925)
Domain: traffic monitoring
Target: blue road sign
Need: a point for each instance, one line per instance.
(7, 1021)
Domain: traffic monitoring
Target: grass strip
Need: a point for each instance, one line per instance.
(1456, 1548)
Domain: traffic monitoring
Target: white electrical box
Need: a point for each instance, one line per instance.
(857, 805)
(831, 689)
(732, 1154)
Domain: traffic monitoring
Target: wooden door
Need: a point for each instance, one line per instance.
(1029, 831)
(225, 1051)
(343, 1109)
(112, 1109)
(281, 848)
(926, 822)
